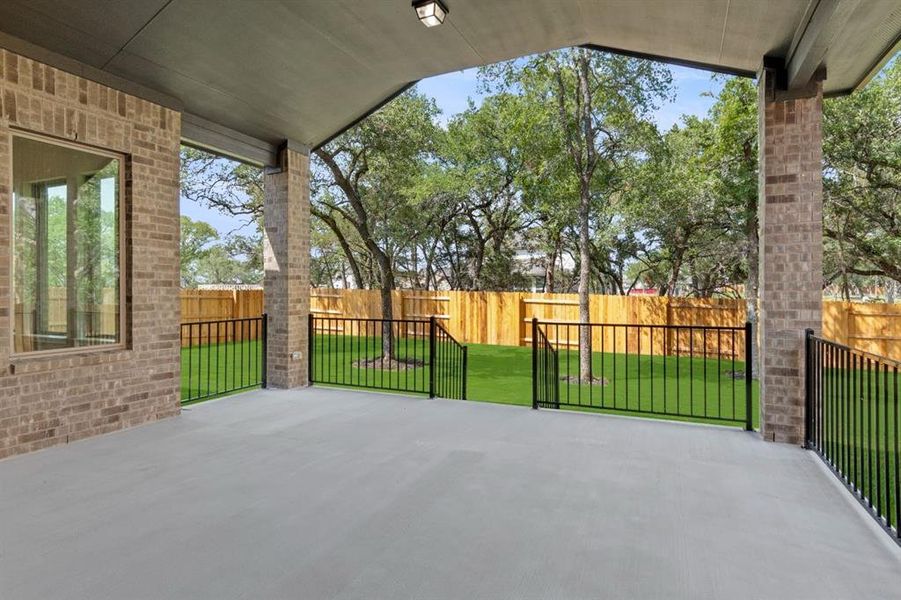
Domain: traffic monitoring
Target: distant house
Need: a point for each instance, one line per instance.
(533, 266)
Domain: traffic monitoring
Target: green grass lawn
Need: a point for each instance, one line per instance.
(637, 386)
(213, 370)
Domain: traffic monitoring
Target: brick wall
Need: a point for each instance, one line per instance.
(51, 400)
(286, 253)
(791, 257)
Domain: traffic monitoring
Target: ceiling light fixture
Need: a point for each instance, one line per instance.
(430, 12)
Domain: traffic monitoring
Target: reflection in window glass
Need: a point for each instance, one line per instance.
(65, 247)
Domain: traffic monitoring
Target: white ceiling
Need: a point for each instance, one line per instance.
(305, 69)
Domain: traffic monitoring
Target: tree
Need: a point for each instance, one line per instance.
(672, 201)
(482, 163)
(862, 181)
(732, 156)
(196, 239)
(364, 180)
(207, 258)
(229, 186)
(232, 188)
(224, 265)
(601, 104)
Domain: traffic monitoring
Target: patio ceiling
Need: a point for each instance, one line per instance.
(259, 72)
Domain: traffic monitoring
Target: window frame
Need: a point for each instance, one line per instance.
(121, 221)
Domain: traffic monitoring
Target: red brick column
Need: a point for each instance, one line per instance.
(791, 256)
(286, 254)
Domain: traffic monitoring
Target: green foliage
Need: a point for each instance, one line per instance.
(673, 203)
(560, 166)
(694, 200)
(206, 258)
(592, 114)
(364, 183)
(228, 186)
(862, 183)
(234, 189)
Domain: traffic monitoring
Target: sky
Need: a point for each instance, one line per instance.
(453, 91)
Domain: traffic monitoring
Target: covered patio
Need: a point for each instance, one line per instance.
(267, 83)
(317, 493)
(327, 493)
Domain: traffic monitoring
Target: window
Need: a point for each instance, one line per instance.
(67, 250)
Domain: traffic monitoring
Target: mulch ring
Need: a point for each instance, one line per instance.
(389, 364)
(576, 380)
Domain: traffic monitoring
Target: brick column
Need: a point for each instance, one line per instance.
(791, 255)
(286, 254)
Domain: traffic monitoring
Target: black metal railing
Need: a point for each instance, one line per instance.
(852, 423)
(545, 370)
(449, 364)
(677, 371)
(221, 357)
(400, 355)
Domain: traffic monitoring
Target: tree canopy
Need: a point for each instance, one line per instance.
(559, 179)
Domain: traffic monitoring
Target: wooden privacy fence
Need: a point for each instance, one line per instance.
(873, 328)
(212, 305)
(220, 306)
(503, 318)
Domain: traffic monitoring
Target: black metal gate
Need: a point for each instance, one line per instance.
(400, 355)
(683, 372)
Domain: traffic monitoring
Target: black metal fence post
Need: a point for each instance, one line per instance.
(432, 362)
(465, 370)
(534, 362)
(749, 375)
(808, 388)
(264, 362)
(556, 387)
(311, 346)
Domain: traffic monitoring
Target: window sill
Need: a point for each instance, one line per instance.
(43, 356)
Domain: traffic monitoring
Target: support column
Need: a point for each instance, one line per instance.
(791, 241)
(286, 256)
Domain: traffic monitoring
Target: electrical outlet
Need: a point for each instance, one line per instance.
(295, 356)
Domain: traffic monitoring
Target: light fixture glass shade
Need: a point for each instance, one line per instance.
(430, 12)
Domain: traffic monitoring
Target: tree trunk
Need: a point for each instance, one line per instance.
(584, 277)
(332, 224)
(752, 288)
(675, 271)
(587, 131)
(550, 266)
(549, 273)
(386, 276)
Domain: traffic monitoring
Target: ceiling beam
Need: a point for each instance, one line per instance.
(692, 64)
(818, 30)
(200, 133)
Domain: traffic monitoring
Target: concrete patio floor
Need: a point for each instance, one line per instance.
(324, 493)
